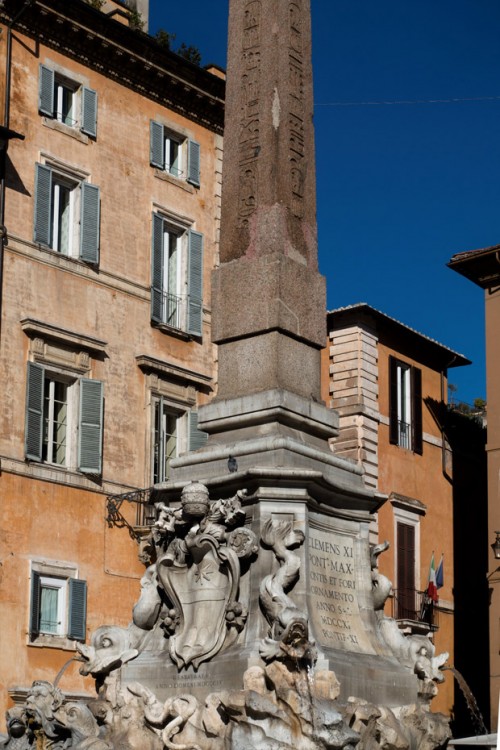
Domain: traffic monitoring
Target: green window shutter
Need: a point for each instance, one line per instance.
(156, 145)
(89, 112)
(35, 605)
(195, 282)
(193, 171)
(43, 202)
(89, 223)
(416, 397)
(33, 431)
(157, 270)
(393, 401)
(46, 91)
(196, 438)
(77, 610)
(90, 426)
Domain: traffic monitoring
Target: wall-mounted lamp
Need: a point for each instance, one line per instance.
(496, 546)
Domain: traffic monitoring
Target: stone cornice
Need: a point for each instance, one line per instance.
(49, 331)
(160, 367)
(131, 57)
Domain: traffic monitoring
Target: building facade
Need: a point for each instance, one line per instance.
(481, 267)
(388, 383)
(110, 212)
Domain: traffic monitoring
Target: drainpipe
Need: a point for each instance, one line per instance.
(5, 135)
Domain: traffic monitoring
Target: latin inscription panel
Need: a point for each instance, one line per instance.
(334, 592)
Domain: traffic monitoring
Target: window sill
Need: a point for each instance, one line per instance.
(171, 331)
(44, 640)
(66, 129)
(60, 259)
(174, 180)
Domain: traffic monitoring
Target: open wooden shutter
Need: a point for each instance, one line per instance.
(196, 437)
(35, 605)
(46, 91)
(33, 431)
(90, 426)
(156, 145)
(416, 397)
(89, 223)
(195, 282)
(157, 270)
(43, 199)
(77, 611)
(393, 401)
(89, 112)
(193, 170)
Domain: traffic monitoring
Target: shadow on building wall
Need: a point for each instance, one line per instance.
(464, 464)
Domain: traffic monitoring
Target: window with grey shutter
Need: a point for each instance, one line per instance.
(193, 163)
(46, 91)
(89, 112)
(43, 198)
(77, 610)
(196, 437)
(156, 145)
(90, 426)
(195, 282)
(89, 226)
(416, 394)
(157, 270)
(33, 435)
(35, 605)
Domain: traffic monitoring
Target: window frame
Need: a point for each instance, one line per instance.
(85, 409)
(71, 604)
(51, 88)
(405, 405)
(84, 212)
(161, 138)
(189, 270)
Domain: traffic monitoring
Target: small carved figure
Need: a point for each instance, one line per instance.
(289, 629)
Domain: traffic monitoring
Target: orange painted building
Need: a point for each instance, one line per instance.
(110, 203)
(389, 384)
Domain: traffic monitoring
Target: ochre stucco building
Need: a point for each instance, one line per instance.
(388, 383)
(110, 204)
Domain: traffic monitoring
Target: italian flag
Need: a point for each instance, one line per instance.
(432, 592)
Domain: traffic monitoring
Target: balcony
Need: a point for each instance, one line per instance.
(414, 609)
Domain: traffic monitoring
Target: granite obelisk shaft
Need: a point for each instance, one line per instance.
(268, 297)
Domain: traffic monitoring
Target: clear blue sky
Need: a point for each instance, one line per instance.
(400, 187)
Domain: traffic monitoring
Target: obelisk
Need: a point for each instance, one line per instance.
(268, 297)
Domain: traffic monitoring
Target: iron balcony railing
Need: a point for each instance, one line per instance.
(416, 606)
(404, 434)
(173, 310)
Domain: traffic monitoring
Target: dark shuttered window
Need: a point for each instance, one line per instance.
(193, 174)
(406, 594)
(89, 112)
(405, 405)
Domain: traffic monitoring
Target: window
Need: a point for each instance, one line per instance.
(66, 101)
(177, 281)
(58, 604)
(67, 214)
(405, 405)
(54, 404)
(174, 154)
(405, 580)
(175, 432)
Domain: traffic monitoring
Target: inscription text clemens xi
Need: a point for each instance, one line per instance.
(334, 605)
